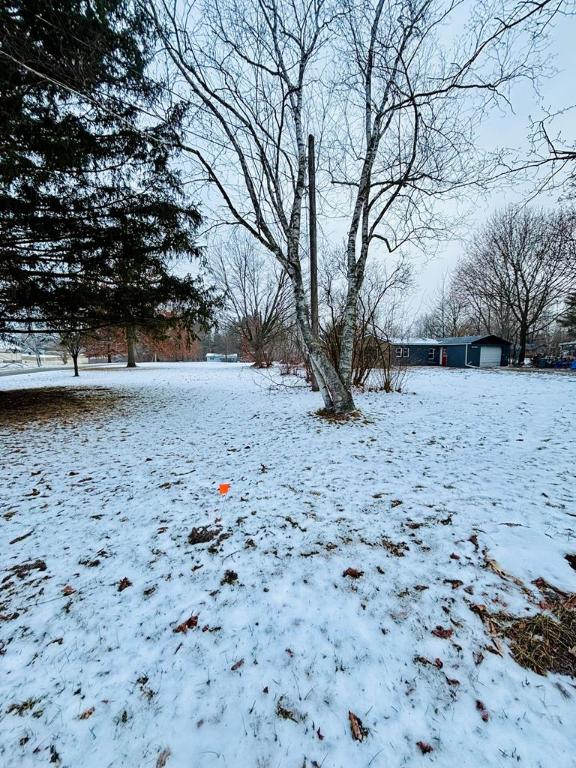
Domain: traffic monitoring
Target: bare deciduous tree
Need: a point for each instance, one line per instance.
(523, 260)
(449, 315)
(398, 134)
(73, 341)
(245, 70)
(256, 296)
(419, 105)
(35, 342)
(377, 300)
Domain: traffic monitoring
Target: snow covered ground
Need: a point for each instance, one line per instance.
(427, 496)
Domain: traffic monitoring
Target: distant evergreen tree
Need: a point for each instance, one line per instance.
(90, 211)
(141, 229)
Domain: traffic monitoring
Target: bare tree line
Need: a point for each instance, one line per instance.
(379, 305)
(256, 297)
(514, 280)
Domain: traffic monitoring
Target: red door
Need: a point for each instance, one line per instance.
(444, 356)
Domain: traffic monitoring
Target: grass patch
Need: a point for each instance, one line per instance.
(544, 642)
(19, 407)
(337, 418)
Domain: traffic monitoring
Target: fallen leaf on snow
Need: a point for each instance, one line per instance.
(474, 540)
(353, 573)
(123, 584)
(359, 733)
(284, 712)
(483, 711)
(68, 590)
(495, 647)
(86, 714)
(424, 747)
(163, 758)
(190, 623)
(395, 548)
(442, 632)
(237, 665)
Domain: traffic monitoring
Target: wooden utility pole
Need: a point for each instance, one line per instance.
(313, 245)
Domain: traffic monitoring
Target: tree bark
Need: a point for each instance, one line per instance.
(336, 395)
(75, 361)
(522, 344)
(313, 247)
(131, 344)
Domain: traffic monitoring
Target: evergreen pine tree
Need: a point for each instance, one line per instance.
(90, 211)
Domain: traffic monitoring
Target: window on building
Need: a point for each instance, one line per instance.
(405, 352)
(398, 351)
(431, 352)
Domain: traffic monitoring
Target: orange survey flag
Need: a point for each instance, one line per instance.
(223, 488)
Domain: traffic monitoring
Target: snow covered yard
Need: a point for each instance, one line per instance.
(146, 620)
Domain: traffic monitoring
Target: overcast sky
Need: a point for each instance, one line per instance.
(510, 130)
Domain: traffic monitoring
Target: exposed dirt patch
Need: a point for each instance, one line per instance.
(18, 407)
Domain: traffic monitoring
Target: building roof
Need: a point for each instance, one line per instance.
(416, 342)
(449, 341)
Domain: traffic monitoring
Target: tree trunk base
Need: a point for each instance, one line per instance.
(338, 417)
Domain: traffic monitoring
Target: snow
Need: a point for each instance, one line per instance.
(489, 453)
(417, 341)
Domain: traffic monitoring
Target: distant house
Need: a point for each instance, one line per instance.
(477, 351)
(216, 357)
(415, 351)
(453, 351)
